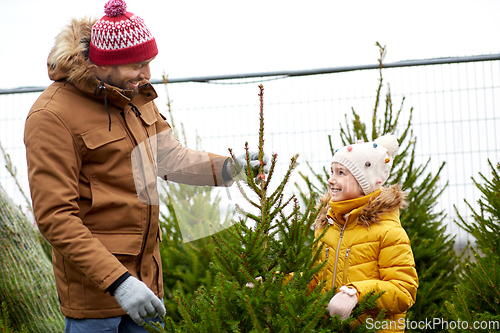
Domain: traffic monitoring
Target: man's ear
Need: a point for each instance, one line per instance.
(104, 68)
(101, 71)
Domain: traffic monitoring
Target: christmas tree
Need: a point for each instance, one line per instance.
(27, 284)
(47, 248)
(261, 280)
(476, 302)
(5, 323)
(186, 263)
(432, 247)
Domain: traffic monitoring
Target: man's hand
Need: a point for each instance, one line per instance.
(138, 300)
(240, 164)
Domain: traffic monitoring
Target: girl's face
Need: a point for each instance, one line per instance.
(343, 185)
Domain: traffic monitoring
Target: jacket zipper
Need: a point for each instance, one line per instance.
(148, 143)
(346, 266)
(134, 142)
(337, 256)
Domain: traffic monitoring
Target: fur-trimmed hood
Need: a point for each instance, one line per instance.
(68, 59)
(389, 199)
(68, 62)
(371, 252)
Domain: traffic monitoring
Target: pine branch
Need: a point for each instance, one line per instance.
(485, 277)
(464, 304)
(271, 170)
(249, 176)
(290, 311)
(330, 144)
(253, 315)
(215, 319)
(169, 106)
(13, 172)
(184, 310)
(280, 208)
(275, 195)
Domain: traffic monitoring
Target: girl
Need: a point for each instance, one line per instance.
(365, 246)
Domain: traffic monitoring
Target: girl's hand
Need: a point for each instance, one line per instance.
(343, 302)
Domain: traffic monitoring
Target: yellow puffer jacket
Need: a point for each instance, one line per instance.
(366, 248)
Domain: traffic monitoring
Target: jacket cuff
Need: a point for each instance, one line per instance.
(226, 170)
(358, 292)
(221, 170)
(111, 289)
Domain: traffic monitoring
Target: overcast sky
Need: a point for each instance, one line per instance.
(200, 37)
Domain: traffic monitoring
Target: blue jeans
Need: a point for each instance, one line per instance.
(122, 324)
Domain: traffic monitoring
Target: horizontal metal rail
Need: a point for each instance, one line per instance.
(305, 72)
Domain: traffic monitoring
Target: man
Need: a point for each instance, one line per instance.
(93, 139)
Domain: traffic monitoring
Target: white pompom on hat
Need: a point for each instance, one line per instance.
(369, 162)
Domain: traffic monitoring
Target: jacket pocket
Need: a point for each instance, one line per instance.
(100, 136)
(121, 244)
(346, 267)
(108, 152)
(148, 115)
(325, 269)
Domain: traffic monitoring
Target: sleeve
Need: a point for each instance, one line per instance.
(54, 165)
(112, 288)
(398, 276)
(183, 165)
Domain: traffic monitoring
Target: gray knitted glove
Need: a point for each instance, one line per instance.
(138, 300)
(241, 164)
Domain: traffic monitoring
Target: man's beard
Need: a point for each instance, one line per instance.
(123, 85)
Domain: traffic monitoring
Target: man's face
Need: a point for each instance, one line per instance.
(343, 185)
(126, 77)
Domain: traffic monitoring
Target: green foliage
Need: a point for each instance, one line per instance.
(186, 264)
(477, 296)
(432, 247)
(262, 279)
(5, 324)
(27, 284)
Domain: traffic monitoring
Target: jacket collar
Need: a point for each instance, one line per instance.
(117, 96)
(366, 210)
(341, 209)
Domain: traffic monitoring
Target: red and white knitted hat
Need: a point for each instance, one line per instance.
(120, 37)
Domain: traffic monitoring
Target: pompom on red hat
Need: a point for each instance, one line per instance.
(120, 37)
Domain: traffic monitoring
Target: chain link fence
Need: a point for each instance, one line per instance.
(456, 118)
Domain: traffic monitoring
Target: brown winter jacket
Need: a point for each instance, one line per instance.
(82, 183)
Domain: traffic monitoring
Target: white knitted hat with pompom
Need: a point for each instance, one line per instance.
(369, 162)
